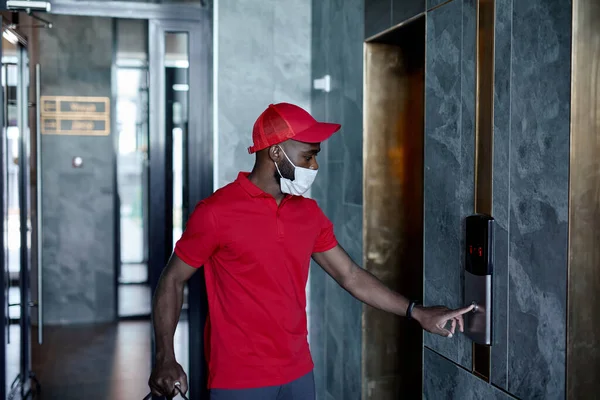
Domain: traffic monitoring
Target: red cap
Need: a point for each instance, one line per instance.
(283, 121)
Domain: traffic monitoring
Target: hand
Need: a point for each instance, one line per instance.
(435, 319)
(164, 377)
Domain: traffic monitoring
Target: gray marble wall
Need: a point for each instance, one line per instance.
(501, 188)
(383, 14)
(263, 53)
(449, 161)
(538, 171)
(78, 203)
(530, 191)
(443, 379)
(335, 316)
(435, 3)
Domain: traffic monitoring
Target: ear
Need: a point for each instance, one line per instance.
(275, 153)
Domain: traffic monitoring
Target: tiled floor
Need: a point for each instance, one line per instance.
(99, 362)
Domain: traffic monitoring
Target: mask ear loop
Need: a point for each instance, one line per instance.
(276, 166)
(286, 156)
(278, 171)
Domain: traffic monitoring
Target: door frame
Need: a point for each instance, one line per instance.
(199, 157)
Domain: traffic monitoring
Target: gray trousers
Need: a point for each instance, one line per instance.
(301, 389)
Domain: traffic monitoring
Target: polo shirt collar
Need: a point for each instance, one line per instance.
(248, 186)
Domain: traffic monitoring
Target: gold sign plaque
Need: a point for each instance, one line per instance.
(75, 115)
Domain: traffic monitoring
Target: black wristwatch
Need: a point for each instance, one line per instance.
(410, 309)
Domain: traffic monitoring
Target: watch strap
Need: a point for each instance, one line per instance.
(409, 310)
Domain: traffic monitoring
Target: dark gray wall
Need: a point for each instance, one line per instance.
(449, 161)
(335, 316)
(443, 379)
(530, 197)
(383, 14)
(434, 3)
(538, 178)
(78, 203)
(501, 187)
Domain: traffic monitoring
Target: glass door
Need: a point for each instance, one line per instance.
(130, 94)
(16, 213)
(181, 145)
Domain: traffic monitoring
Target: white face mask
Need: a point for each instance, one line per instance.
(303, 179)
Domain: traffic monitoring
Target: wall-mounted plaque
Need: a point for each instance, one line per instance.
(75, 115)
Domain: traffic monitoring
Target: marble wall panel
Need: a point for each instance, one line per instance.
(337, 34)
(378, 16)
(443, 379)
(449, 150)
(403, 10)
(501, 189)
(539, 183)
(78, 247)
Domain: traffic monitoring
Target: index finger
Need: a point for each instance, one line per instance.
(460, 311)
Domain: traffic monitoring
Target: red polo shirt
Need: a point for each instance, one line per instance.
(256, 257)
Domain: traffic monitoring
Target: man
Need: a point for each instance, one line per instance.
(255, 238)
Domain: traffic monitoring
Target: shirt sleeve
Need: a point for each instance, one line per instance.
(326, 239)
(200, 239)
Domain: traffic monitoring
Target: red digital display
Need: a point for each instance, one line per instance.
(477, 250)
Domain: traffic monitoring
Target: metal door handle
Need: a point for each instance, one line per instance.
(38, 171)
(6, 272)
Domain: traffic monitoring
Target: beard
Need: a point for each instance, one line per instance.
(287, 171)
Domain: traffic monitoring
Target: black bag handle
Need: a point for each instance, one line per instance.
(149, 395)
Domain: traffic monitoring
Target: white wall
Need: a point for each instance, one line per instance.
(262, 56)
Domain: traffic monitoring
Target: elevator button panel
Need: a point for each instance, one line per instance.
(479, 271)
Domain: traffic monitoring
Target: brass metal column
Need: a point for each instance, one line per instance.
(583, 302)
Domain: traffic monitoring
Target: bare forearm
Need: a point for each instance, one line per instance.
(165, 315)
(367, 288)
(370, 290)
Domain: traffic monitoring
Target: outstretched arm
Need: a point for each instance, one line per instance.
(367, 288)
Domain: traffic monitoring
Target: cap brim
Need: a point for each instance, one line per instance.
(317, 133)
